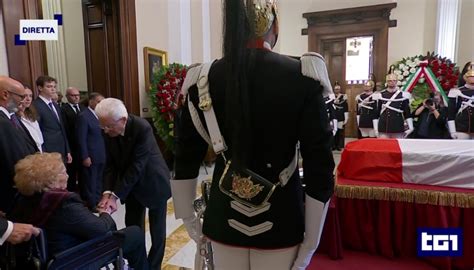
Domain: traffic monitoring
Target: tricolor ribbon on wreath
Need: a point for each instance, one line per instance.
(424, 71)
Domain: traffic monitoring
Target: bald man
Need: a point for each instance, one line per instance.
(70, 110)
(13, 142)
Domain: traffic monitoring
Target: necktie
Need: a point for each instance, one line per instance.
(76, 108)
(53, 110)
(15, 121)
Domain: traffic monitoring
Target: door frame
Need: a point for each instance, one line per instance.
(128, 54)
(350, 22)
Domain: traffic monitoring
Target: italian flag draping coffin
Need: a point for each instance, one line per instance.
(427, 162)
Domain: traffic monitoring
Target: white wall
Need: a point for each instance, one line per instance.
(74, 44)
(466, 36)
(152, 31)
(177, 27)
(3, 49)
(414, 34)
(416, 30)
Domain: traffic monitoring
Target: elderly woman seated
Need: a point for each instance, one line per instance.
(41, 179)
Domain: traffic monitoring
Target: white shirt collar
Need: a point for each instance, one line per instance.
(7, 113)
(47, 101)
(93, 112)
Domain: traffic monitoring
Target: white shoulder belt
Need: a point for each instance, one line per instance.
(214, 137)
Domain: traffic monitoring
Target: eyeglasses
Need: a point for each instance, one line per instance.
(109, 127)
(78, 95)
(16, 94)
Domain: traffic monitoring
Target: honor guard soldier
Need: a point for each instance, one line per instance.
(341, 111)
(461, 108)
(331, 113)
(393, 111)
(366, 109)
(255, 216)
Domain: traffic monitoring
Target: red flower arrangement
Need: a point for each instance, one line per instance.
(445, 71)
(165, 99)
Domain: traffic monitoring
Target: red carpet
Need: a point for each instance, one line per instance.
(358, 261)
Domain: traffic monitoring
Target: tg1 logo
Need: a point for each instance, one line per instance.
(439, 242)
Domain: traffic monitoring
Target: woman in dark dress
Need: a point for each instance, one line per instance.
(41, 179)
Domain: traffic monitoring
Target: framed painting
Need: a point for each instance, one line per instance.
(154, 60)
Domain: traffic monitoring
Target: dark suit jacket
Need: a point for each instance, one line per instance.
(68, 222)
(3, 226)
(89, 137)
(13, 147)
(70, 121)
(54, 134)
(135, 166)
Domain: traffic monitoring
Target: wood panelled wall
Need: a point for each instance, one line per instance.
(25, 63)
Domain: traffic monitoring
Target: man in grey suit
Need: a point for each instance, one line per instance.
(50, 119)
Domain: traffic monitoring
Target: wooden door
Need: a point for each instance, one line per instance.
(333, 51)
(27, 62)
(102, 42)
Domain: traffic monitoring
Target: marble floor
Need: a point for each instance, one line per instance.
(180, 250)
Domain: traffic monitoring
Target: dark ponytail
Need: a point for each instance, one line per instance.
(237, 59)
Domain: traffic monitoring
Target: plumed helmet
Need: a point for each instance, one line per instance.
(261, 15)
(391, 76)
(371, 82)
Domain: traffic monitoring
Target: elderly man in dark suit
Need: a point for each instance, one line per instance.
(13, 147)
(135, 173)
(13, 142)
(50, 119)
(70, 110)
(91, 152)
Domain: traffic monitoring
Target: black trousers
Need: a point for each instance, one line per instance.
(135, 215)
(91, 184)
(133, 247)
(73, 170)
(339, 139)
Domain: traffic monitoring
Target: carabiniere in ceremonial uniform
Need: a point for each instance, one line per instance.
(393, 110)
(461, 108)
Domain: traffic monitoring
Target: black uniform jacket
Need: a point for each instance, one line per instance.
(340, 107)
(366, 112)
(464, 119)
(286, 107)
(391, 121)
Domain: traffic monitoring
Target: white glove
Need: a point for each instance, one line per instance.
(452, 129)
(410, 127)
(184, 194)
(346, 118)
(334, 127)
(375, 122)
(358, 119)
(315, 215)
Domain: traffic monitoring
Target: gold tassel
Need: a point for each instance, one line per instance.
(432, 197)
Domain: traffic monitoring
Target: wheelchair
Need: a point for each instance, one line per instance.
(97, 253)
